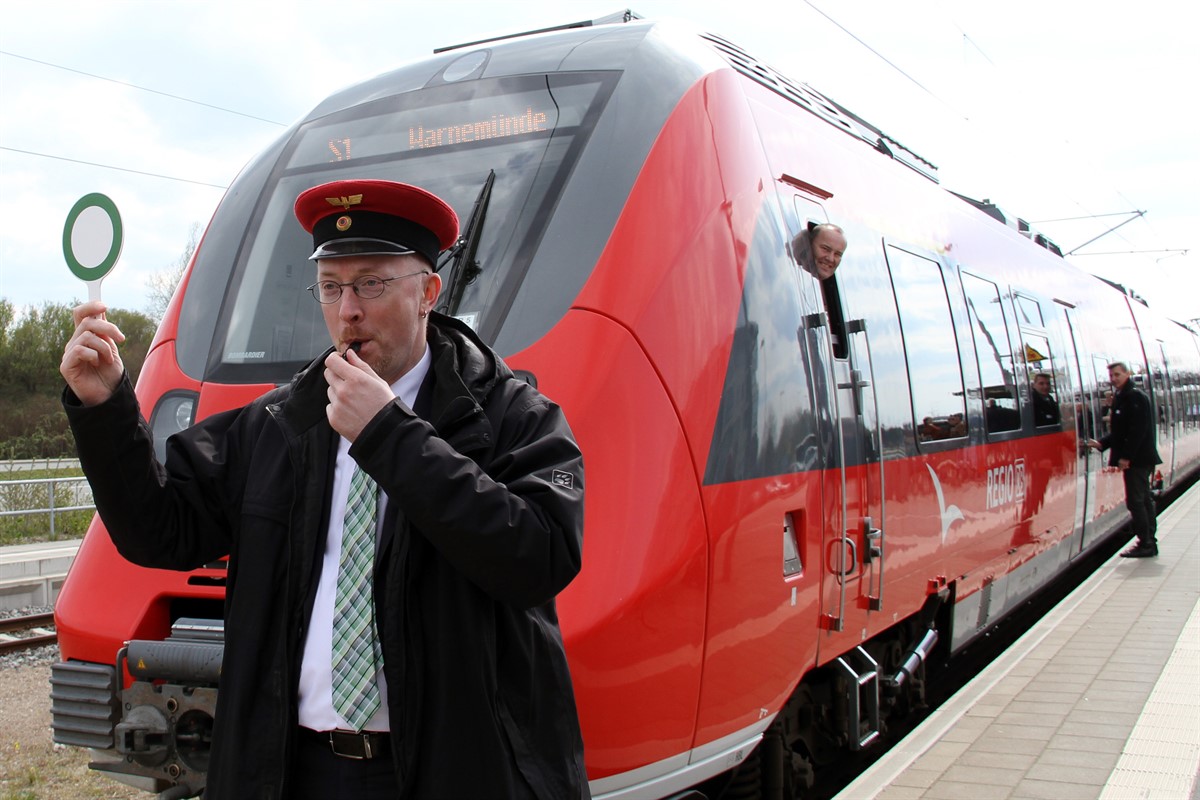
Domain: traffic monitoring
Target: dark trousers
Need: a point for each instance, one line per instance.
(318, 774)
(1140, 503)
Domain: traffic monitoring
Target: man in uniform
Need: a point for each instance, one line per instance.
(1131, 437)
(398, 520)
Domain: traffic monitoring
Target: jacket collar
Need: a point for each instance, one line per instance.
(303, 406)
(465, 370)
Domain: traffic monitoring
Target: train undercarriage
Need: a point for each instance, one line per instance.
(156, 734)
(844, 706)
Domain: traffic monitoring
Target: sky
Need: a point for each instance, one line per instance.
(1072, 115)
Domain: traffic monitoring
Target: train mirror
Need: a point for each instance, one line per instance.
(92, 238)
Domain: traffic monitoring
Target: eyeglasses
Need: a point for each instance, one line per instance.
(365, 287)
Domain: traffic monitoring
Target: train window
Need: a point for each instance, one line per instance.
(766, 423)
(805, 255)
(930, 347)
(1103, 397)
(1042, 386)
(837, 320)
(1029, 312)
(446, 139)
(993, 354)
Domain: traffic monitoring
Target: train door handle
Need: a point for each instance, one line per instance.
(856, 385)
(847, 562)
(856, 381)
(872, 541)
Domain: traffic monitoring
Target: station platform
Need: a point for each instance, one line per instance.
(1100, 700)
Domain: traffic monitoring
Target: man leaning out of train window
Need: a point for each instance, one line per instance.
(819, 249)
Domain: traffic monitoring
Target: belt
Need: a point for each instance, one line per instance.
(351, 744)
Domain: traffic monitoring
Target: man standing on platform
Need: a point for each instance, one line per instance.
(1131, 438)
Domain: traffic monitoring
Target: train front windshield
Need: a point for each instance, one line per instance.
(529, 130)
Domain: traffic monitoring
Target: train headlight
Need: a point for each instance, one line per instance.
(174, 412)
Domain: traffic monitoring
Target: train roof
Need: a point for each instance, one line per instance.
(612, 42)
(618, 41)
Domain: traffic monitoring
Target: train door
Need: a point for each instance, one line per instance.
(1084, 401)
(852, 539)
(1165, 409)
(1109, 491)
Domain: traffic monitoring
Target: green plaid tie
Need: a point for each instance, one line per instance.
(356, 653)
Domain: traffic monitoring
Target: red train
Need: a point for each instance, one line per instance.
(797, 489)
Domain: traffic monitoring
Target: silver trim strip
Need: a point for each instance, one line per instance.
(678, 772)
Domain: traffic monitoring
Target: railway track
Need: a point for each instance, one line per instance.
(26, 632)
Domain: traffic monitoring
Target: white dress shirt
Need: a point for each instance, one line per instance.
(316, 709)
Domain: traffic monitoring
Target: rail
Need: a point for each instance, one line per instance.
(26, 632)
(60, 495)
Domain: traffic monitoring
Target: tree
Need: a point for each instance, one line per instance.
(161, 285)
(32, 424)
(8, 315)
(33, 347)
(139, 332)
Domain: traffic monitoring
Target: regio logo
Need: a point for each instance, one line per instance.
(1006, 484)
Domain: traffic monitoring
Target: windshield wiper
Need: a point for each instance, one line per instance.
(464, 268)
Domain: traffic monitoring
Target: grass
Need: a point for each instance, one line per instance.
(35, 527)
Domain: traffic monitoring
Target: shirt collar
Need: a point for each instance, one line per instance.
(408, 384)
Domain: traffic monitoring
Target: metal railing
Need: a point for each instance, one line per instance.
(26, 464)
(61, 495)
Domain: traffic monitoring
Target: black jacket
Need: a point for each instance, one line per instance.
(1045, 409)
(1131, 432)
(484, 528)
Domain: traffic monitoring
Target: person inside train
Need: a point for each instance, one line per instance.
(398, 521)
(930, 430)
(999, 412)
(957, 425)
(1045, 407)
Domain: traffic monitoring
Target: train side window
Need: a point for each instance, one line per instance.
(930, 346)
(804, 254)
(993, 354)
(1043, 392)
(837, 320)
(1103, 397)
(1029, 312)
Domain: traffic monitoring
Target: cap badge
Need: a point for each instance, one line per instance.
(343, 223)
(343, 201)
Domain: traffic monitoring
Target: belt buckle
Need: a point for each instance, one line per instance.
(362, 737)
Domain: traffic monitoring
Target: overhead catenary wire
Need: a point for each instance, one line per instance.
(968, 39)
(884, 58)
(114, 167)
(1136, 215)
(1071, 147)
(110, 166)
(141, 88)
(1086, 216)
